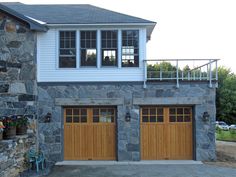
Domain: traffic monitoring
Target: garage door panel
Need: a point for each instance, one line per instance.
(82, 141)
(167, 139)
(68, 139)
(104, 141)
(152, 140)
(97, 141)
(160, 143)
(144, 140)
(93, 135)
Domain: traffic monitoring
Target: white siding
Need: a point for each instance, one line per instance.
(48, 71)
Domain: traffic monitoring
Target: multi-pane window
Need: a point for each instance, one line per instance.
(67, 49)
(88, 48)
(152, 114)
(109, 48)
(76, 115)
(130, 48)
(104, 114)
(180, 114)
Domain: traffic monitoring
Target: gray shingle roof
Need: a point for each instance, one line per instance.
(33, 25)
(73, 14)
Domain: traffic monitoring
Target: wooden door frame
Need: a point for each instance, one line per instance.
(88, 106)
(194, 131)
(194, 152)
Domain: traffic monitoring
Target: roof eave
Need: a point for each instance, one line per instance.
(150, 29)
(149, 26)
(33, 25)
(101, 24)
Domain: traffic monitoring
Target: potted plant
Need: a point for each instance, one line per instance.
(1, 129)
(21, 125)
(10, 127)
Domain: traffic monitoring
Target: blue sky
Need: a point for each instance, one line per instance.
(185, 28)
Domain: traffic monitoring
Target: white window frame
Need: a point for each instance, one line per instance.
(119, 30)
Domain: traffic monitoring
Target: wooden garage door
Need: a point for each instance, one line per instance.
(89, 133)
(166, 133)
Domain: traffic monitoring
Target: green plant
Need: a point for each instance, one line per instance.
(233, 132)
(9, 122)
(226, 136)
(21, 121)
(218, 130)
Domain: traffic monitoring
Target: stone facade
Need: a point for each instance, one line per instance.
(126, 96)
(18, 86)
(12, 155)
(18, 89)
(20, 94)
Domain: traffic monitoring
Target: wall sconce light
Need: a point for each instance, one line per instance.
(205, 116)
(127, 117)
(47, 117)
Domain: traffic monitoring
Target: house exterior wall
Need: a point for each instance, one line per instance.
(21, 94)
(125, 96)
(18, 85)
(47, 56)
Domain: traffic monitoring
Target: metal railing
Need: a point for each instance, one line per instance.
(181, 70)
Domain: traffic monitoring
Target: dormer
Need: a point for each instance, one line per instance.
(85, 43)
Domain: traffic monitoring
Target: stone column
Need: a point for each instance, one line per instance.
(128, 141)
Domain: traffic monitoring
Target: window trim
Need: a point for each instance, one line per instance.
(117, 51)
(58, 49)
(138, 31)
(142, 43)
(79, 41)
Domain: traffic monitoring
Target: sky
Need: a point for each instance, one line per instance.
(186, 29)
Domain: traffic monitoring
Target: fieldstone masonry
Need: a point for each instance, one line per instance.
(18, 89)
(21, 94)
(12, 152)
(126, 96)
(18, 86)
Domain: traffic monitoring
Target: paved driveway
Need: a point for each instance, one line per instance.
(143, 171)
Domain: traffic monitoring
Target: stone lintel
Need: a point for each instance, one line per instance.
(168, 101)
(88, 101)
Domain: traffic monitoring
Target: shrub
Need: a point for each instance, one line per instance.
(218, 130)
(232, 132)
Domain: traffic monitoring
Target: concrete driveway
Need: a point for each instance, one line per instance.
(195, 170)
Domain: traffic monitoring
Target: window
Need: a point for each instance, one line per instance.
(88, 48)
(130, 48)
(76, 115)
(67, 49)
(180, 114)
(109, 48)
(104, 115)
(152, 114)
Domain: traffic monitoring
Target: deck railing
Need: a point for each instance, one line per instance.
(181, 70)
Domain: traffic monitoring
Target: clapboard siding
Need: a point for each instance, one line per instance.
(48, 71)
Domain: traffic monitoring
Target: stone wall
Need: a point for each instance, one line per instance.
(18, 86)
(12, 155)
(126, 96)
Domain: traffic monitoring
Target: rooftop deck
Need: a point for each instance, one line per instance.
(181, 70)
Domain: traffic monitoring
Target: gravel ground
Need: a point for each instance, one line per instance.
(226, 154)
(228, 148)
